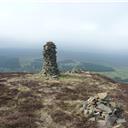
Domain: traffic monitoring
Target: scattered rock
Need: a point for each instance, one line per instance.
(102, 109)
(120, 121)
(102, 95)
(76, 70)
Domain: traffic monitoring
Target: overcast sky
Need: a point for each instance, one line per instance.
(80, 25)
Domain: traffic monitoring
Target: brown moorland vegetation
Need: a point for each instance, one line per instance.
(30, 101)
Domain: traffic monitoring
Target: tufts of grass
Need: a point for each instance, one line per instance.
(71, 77)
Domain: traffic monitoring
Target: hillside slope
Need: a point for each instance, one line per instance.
(29, 101)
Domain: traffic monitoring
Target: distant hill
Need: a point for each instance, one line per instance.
(66, 65)
(9, 64)
(30, 60)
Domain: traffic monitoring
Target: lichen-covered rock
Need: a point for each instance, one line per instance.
(50, 67)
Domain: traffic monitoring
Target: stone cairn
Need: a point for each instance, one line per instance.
(102, 109)
(50, 68)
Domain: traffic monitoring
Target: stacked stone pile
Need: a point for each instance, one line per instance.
(101, 108)
(76, 70)
(50, 67)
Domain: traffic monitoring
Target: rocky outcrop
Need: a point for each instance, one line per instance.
(102, 109)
